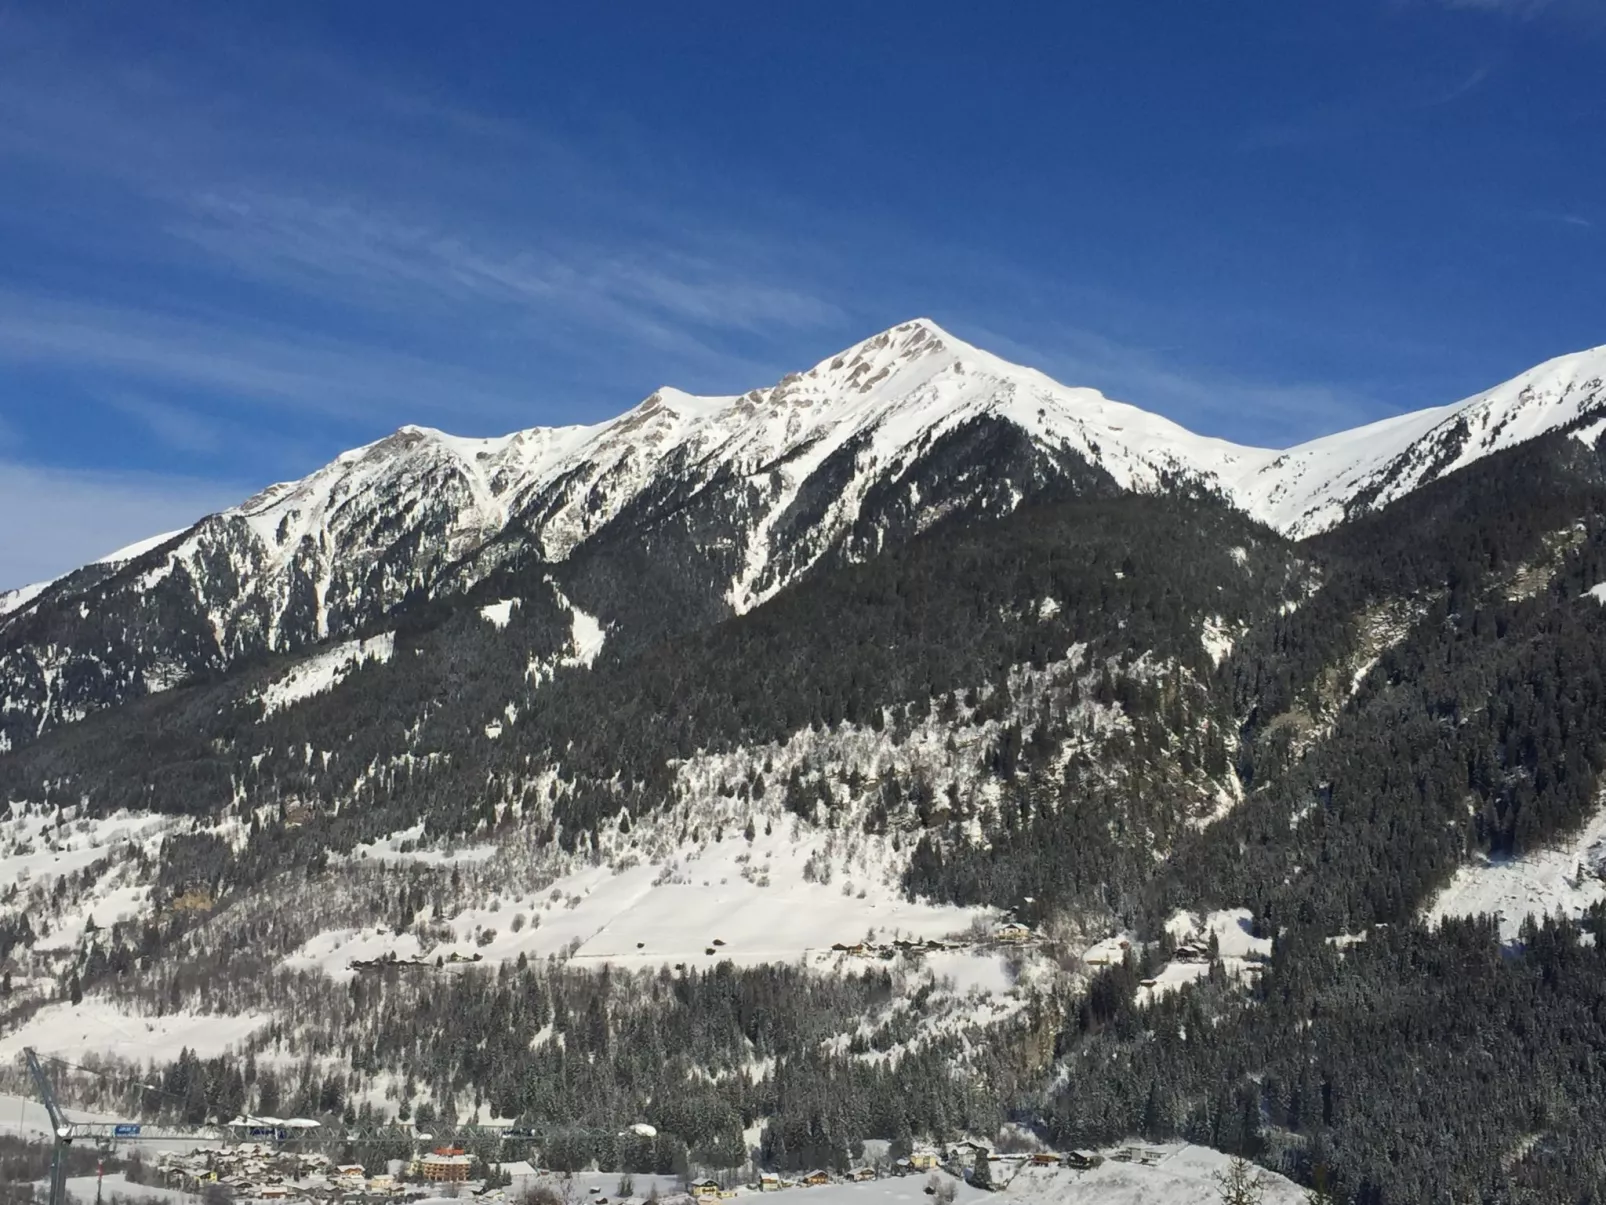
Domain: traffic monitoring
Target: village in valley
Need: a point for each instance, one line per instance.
(255, 1171)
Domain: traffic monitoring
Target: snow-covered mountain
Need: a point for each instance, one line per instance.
(736, 497)
(1319, 484)
(871, 445)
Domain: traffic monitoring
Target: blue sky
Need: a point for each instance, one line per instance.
(239, 239)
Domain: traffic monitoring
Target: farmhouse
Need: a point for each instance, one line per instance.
(816, 1178)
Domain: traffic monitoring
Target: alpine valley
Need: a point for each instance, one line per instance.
(914, 749)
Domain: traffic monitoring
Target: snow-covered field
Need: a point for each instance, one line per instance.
(33, 846)
(1172, 1174)
(1178, 1175)
(1563, 879)
(749, 902)
(97, 1027)
(116, 1185)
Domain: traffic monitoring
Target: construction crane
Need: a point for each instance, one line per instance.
(64, 1131)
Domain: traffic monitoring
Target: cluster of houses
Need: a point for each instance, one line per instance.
(252, 1171)
(1010, 933)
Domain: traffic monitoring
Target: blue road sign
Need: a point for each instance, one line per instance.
(125, 1131)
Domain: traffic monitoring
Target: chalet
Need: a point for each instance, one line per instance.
(1080, 1161)
(1191, 953)
(923, 1160)
(355, 1171)
(708, 1189)
(816, 1178)
(274, 1192)
(769, 1182)
(1013, 932)
(862, 1173)
(1046, 1159)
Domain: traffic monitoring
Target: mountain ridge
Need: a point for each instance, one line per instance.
(733, 496)
(1261, 481)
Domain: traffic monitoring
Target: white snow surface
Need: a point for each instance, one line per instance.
(498, 614)
(753, 899)
(15, 600)
(1566, 879)
(137, 549)
(96, 1026)
(1169, 1174)
(324, 669)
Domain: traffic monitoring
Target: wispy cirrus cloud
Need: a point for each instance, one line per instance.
(1581, 14)
(377, 256)
(1576, 221)
(283, 366)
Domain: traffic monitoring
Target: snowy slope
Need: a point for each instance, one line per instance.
(1565, 879)
(1317, 485)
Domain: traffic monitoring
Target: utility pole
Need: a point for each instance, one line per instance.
(60, 1130)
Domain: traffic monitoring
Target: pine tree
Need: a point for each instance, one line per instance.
(1239, 1183)
(981, 1175)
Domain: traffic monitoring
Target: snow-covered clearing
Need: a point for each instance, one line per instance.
(755, 900)
(1172, 1174)
(583, 1185)
(325, 669)
(498, 614)
(1564, 879)
(97, 1027)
